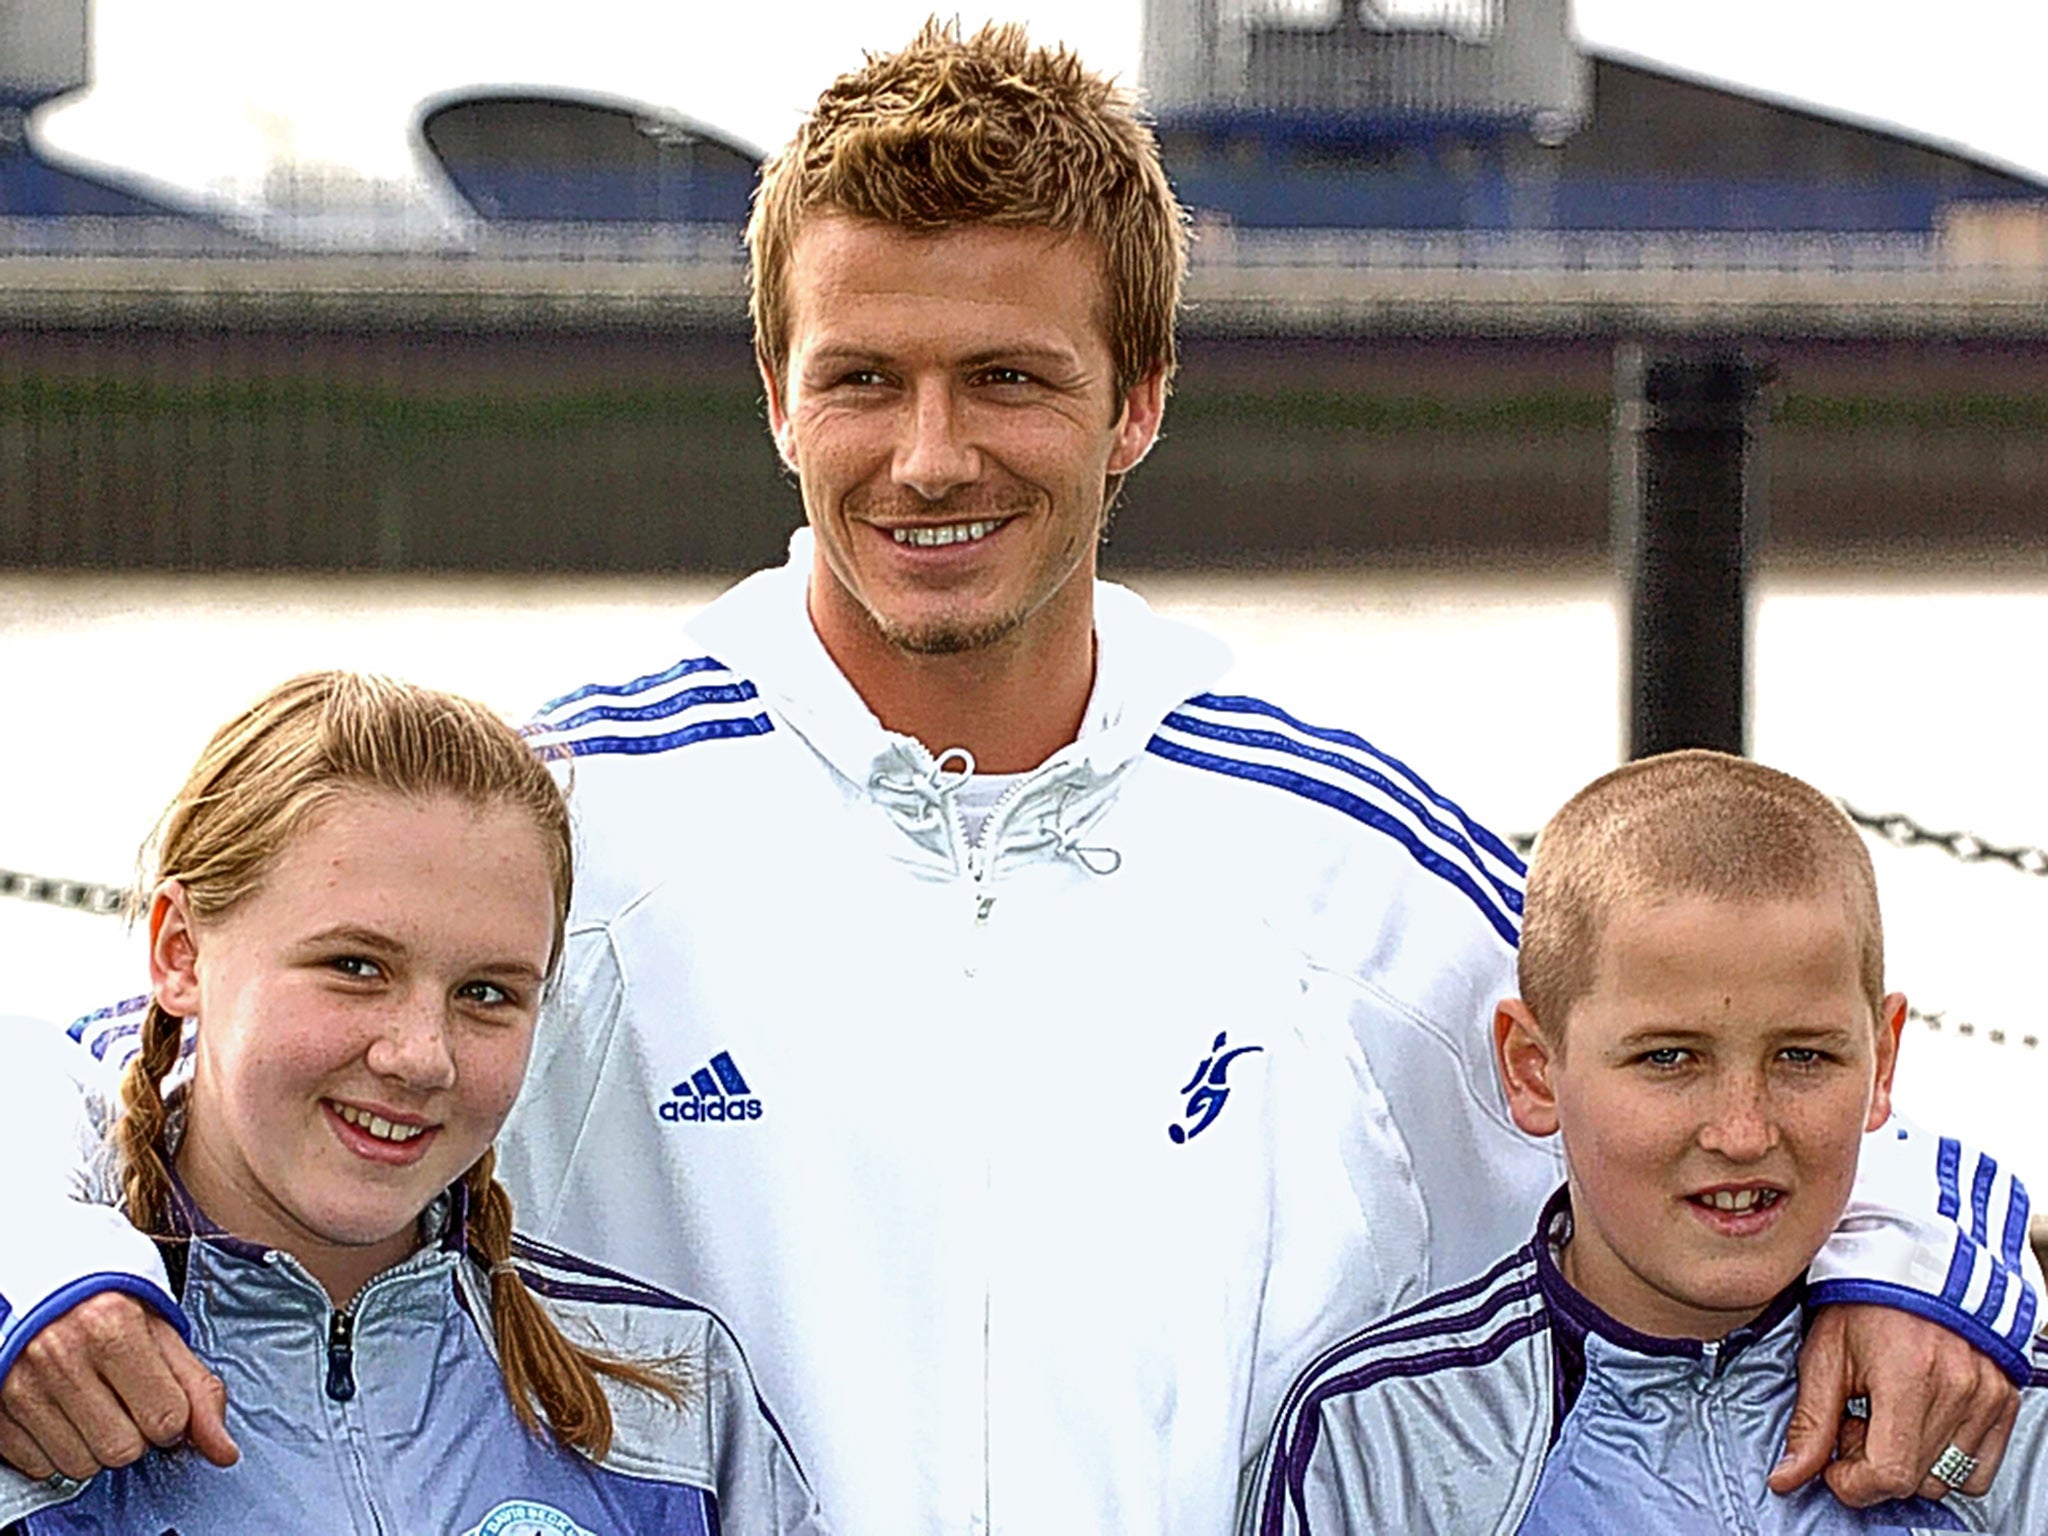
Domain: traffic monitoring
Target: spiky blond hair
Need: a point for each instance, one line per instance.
(954, 131)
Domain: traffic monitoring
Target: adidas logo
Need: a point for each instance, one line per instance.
(714, 1092)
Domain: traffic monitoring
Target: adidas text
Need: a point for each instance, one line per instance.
(674, 1110)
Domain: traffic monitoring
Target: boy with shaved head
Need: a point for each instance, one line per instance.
(1703, 1024)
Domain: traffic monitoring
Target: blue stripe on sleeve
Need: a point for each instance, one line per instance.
(1360, 810)
(1980, 1199)
(1994, 1298)
(2016, 1212)
(592, 746)
(2023, 1319)
(1946, 1165)
(1479, 834)
(660, 709)
(1273, 741)
(639, 684)
(1960, 1268)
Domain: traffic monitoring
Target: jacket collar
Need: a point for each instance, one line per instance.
(1575, 1318)
(443, 1227)
(1145, 666)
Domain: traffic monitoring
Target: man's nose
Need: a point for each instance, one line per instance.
(934, 454)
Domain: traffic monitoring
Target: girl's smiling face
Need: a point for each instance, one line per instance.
(364, 1022)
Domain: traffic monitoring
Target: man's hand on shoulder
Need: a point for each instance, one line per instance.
(1928, 1389)
(99, 1386)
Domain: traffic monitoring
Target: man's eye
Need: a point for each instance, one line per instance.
(1006, 376)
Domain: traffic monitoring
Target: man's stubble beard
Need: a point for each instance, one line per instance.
(960, 636)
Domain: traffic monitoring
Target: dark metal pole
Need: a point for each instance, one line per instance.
(1688, 510)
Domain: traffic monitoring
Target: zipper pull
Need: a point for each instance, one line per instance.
(983, 905)
(341, 1357)
(1710, 1356)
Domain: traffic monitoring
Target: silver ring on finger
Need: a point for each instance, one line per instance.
(57, 1482)
(1953, 1466)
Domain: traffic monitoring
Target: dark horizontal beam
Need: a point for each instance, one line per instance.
(1225, 300)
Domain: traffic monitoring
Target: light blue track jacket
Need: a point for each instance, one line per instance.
(1513, 1404)
(390, 1417)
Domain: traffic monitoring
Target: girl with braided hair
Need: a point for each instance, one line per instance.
(358, 900)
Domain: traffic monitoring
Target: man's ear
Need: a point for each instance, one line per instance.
(1525, 1060)
(1137, 424)
(173, 952)
(1891, 1020)
(778, 411)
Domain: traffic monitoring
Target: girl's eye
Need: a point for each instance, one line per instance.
(488, 993)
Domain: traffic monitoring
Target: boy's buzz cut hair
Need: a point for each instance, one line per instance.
(1692, 823)
(953, 131)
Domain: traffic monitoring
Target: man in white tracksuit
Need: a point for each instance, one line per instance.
(1032, 1053)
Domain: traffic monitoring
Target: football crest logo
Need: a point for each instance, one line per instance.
(524, 1517)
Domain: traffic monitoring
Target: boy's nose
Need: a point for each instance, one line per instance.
(1740, 1127)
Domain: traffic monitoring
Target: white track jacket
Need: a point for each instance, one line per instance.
(1031, 1171)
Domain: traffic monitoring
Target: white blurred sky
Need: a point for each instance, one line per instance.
(206, 95)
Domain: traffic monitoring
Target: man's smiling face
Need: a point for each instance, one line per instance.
(952, 413)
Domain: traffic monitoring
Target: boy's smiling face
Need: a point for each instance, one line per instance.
(1712, 1090)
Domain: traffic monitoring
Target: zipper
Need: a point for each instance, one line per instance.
(979, 859)
(341, 1388)
(341, 1355)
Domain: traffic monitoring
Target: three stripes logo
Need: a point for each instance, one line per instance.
(713, 1092)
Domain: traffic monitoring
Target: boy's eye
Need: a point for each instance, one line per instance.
(1667, 1056)
(359, 966)
(1800, 1056)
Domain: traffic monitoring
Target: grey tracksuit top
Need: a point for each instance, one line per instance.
(390, 1418)
(1513, 1404)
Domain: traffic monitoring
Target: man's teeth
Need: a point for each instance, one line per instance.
(947, 533)
(377, 1125)
(1739, 1199)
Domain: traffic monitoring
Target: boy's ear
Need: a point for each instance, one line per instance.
(173, 952)
(1525, 1059)
(1891, 1020)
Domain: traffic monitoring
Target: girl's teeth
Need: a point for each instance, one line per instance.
(950, 533)
(377, 1125)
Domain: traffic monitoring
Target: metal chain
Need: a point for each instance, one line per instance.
(1902, 831)
(1937, 1019)
(1896, 828)
(77, 895)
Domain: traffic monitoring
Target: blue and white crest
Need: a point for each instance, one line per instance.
(523, 1517)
